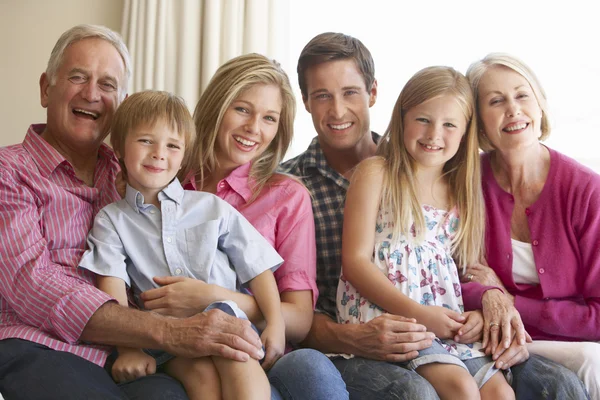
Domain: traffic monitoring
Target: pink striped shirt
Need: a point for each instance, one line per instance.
(45, 215)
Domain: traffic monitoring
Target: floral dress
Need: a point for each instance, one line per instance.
(425, 272)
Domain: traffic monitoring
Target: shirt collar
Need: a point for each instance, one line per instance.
(174, 192)
(238, 180)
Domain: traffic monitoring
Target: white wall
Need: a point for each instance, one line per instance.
(28, 31)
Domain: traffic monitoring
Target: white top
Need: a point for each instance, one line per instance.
(524, 271)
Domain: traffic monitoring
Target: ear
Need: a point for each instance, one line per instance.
(373, 94)
(44, 86)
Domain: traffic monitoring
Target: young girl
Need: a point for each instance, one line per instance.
(160, 229)
(425, 177)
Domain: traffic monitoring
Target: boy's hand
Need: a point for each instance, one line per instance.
(273, 338)
(472, 330)
(132, 364)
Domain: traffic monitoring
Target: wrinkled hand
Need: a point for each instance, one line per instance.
(179, 296)
(515, 354)
(472, 329)
(391, 338)
(273, 338)
(212, 333)
(443, 322)
(132, 364)
(482, 274)
(501, 322)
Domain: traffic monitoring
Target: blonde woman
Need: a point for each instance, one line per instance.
(244, 122)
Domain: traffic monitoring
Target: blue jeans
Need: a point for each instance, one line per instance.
(537, 378)
(306, 374)
(32, 371)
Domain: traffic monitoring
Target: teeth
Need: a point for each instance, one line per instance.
(93, 115)
(515, 127)
(342, 126)
(244, 141)
(431, 147)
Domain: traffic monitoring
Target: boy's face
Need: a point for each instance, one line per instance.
(339, 103)
(153, 156)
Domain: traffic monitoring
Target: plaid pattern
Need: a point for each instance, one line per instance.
(328, 189)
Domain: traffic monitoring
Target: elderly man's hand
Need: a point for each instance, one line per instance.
(212, 333)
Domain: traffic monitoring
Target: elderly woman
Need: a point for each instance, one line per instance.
(543, 227)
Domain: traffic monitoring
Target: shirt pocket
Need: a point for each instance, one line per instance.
(202, 247)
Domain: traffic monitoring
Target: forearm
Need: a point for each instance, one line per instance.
(114, 287)
(267, 298)
(328, 336)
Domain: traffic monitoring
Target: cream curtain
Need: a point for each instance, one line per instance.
(177, 45)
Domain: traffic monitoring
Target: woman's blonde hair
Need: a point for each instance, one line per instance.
(462, 171)
(146, 108)
(479, 68)
(229, 82)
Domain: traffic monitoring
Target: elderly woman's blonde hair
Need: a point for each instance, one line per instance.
(229, 82)
(479, 68)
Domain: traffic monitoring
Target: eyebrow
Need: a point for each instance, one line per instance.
(86, 73)
(358, 88)
(515, 88)
(252, 105)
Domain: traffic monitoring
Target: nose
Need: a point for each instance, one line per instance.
(90, 91)
(513, 108)
(158, 153)
(338, 108)
(434, 132)
(252, 124)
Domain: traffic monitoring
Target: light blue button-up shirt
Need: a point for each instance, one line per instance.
(194, 234)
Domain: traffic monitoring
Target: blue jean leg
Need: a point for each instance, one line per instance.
(307, 374)
(371, 379)
(539, 378)
(32, 371)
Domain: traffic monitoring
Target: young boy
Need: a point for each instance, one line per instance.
(159, 229)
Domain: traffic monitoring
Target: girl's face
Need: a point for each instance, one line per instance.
(508, 109)
(249, 126)
(433, 131)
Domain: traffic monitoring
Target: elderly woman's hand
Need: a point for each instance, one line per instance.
(482, 274)
(502, 322)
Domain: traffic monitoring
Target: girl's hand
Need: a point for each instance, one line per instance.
(273, 338)
(471, 331)
(132, 364)
(441, 321)
(179, 296)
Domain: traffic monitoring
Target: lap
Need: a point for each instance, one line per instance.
(29, 371)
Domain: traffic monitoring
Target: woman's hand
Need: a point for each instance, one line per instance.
(502, 321)
(482, 274)
(441, 321)
(472, 329)
(179, 296)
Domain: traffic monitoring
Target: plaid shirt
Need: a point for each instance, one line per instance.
(328, 189)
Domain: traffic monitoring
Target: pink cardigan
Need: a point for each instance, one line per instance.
(565, 236)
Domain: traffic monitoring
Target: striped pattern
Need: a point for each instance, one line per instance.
(45, 215)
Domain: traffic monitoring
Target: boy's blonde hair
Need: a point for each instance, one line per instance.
(462, 171)
(146, 108)
(479, 68)
(229, 82)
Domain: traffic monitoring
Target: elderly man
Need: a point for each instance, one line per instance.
(53, 321)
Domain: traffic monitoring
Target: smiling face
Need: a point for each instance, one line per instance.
(433, 131)
(339, 103)
(83, 95)
(508, 109)
(249, 125)
(153, 156)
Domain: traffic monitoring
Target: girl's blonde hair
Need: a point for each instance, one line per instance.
(146, 108)
(479, 68)
(462, 171)
(229, 82)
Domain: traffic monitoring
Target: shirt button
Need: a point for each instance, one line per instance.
(535, 243)
(527, 211)
(542, 270)
(178, 271)
(508, 256)
(152, 211)
(222, 184)
(169, 239)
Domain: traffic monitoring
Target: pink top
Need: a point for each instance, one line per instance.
(45, 215)
(283, 214)
(564, 223)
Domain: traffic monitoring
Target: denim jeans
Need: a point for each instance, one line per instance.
(32, 371)
(535, 379)
(306, 374)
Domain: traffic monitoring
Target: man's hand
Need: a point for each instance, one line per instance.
(391, 338)
(132, 364)
(212, 333)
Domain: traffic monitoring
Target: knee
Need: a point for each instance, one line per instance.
(202, 368)
(463, 388)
